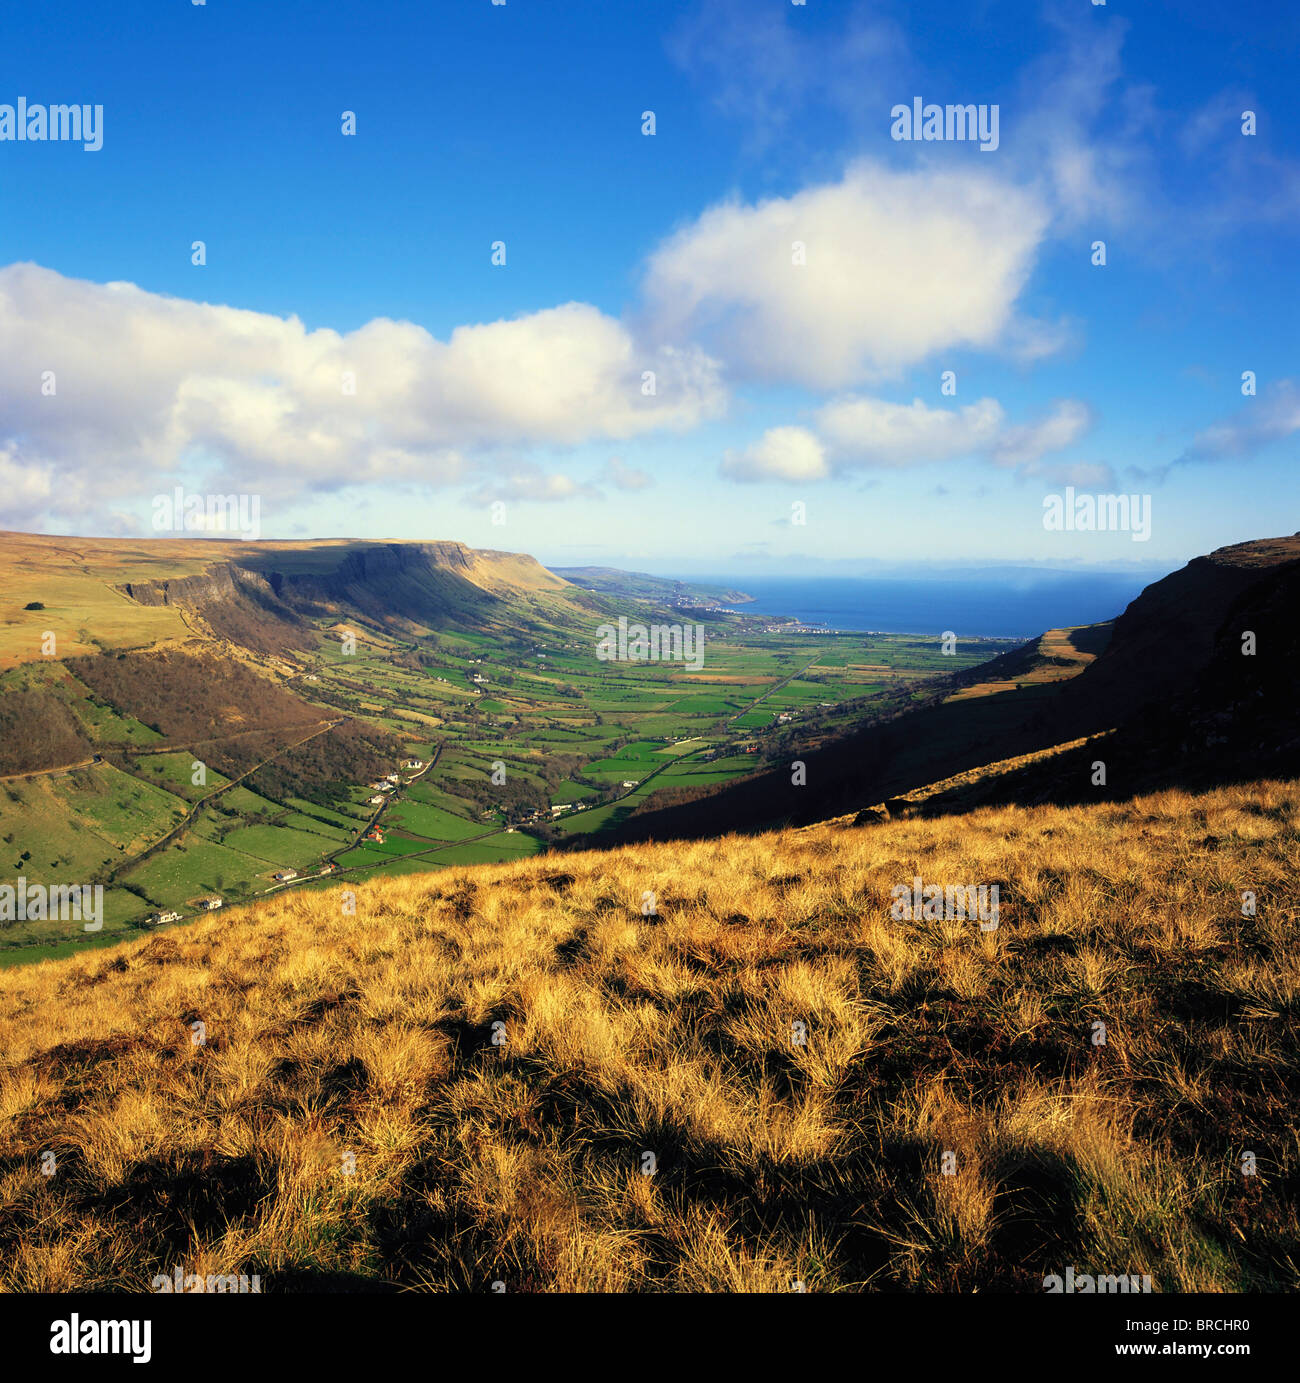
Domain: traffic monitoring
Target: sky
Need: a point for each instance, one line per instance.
(657, 285)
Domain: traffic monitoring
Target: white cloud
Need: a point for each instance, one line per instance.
(27, 487)
(764, 67)
(899, 265)
(782, 453)
(872, 432)
(146, 384)
(1026, 443)
(1268, 419)
(856, 431)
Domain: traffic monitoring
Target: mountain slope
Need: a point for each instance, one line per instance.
(1172, 681)
(130, 593)
(458, 1081)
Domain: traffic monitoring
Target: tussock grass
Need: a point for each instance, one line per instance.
(796, 1065)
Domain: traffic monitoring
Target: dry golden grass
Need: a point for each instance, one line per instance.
(772, 1081)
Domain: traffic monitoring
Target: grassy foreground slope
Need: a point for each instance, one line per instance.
(348, 1120)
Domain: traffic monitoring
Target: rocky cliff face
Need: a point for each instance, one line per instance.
(237, 604)
(1197, 682)
(402, 586)
(217, 583)
(264, 596)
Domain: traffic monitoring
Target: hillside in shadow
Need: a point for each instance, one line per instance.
(1196, 682)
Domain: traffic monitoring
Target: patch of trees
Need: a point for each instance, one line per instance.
(518, 796)
(38, 730)
(190, 696)
(322, 769)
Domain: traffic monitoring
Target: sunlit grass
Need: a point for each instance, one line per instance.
(512, 1073)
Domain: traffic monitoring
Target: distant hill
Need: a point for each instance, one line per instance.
(195, 636)
(105, 593)
(639, 585)
(1167, 680)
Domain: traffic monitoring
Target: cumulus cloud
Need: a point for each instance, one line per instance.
(782, 453)
(899, 265)
(1026, 443)
(146, 383)
(873, 432)
(28, 488)
(855, 431)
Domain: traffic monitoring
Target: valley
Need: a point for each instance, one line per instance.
(255, 741)
(499, 920)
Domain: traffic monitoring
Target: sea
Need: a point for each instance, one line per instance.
(1016, 605)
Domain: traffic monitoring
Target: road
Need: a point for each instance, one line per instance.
(775, 687)
(189, 818)
(61, 771)
(333, 858)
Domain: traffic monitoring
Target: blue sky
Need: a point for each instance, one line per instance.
(778, 383)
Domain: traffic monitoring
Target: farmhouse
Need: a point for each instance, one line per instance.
(284, 875)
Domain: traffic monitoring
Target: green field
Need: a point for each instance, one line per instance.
(569, 729)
